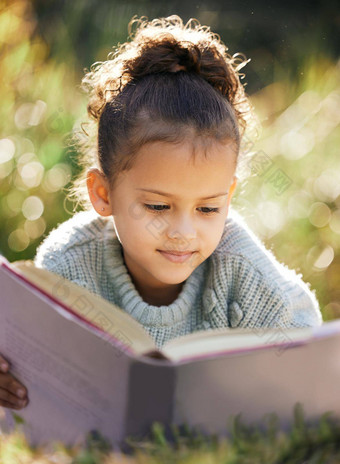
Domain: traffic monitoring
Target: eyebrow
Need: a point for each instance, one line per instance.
(169, 194)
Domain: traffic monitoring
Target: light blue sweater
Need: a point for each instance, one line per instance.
(240, 285)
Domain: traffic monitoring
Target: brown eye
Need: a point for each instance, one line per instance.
(210, 210)
(155, 208)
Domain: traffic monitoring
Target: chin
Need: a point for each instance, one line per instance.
(174, 278)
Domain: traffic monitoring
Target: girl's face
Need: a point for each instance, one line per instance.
(168, 202)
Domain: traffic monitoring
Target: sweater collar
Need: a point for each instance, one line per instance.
(130, 300)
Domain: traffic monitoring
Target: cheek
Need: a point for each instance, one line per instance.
(136, 227)
(213, 233)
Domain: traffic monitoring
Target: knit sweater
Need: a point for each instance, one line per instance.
(240, 284)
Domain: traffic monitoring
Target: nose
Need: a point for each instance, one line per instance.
(182, 229)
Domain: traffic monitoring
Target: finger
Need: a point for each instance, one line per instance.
(13, 386)
(4, 365)
(7, 398)
(6, 404)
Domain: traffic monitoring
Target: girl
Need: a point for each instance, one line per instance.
(170, 113)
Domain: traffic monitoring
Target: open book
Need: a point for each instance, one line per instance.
(88, 365)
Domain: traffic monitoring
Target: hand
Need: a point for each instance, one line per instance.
(9, 398)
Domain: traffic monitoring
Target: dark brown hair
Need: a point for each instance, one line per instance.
(170, 82)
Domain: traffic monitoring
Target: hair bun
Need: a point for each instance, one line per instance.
(167, 45)
(164, 54)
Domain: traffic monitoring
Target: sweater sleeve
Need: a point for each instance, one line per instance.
(63, 264)
(70, 251)
(277, 301)
(260, 291)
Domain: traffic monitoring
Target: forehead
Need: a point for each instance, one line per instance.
(183, 169)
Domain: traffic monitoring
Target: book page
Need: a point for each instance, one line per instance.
(69, 371)
(93, 308)
(222, 341)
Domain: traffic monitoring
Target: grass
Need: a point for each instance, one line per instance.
(305, 442)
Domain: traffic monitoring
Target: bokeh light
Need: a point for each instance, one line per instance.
(56, 177)
(32, 208)
(18, 240)
(29, 114)
(334, 222)
(30, 169)
(7, 150)
(35, 228)
(319, 214)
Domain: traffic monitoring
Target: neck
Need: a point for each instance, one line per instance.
(160, 296)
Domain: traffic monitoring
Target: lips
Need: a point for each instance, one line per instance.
(177, 253)
(177, 256)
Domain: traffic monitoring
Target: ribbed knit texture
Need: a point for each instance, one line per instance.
(240, 285)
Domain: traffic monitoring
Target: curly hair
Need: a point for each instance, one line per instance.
(169, 82)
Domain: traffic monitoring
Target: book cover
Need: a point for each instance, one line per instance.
(100, 371)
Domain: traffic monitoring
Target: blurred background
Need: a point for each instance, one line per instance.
(289, 192)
